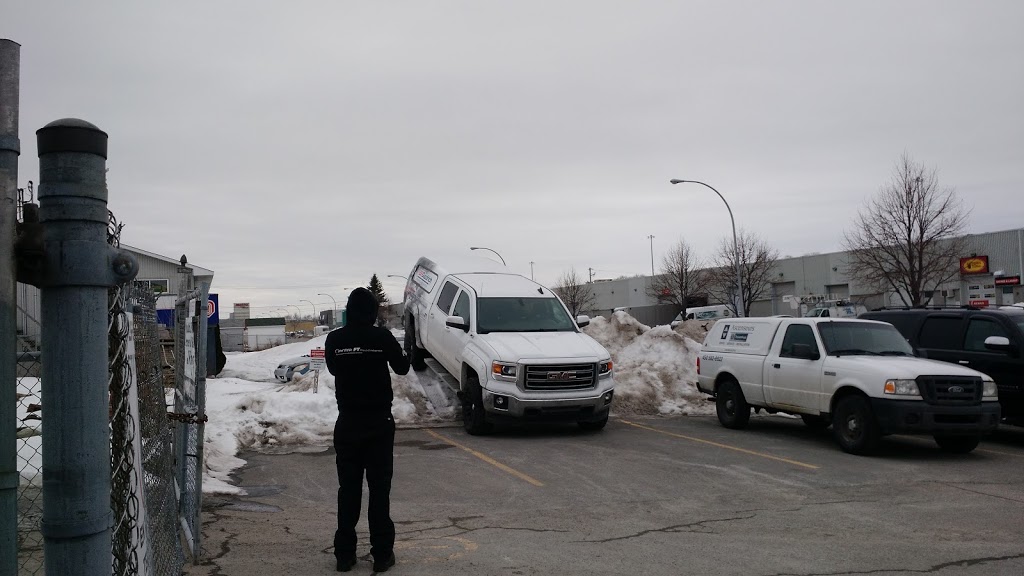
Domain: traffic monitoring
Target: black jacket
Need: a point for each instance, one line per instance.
(358, 356)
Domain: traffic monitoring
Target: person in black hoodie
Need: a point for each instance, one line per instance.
(358, 356)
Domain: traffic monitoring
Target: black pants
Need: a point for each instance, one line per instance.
(365, 443)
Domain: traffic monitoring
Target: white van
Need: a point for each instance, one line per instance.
(703, 313)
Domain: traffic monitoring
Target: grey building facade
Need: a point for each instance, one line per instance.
(996, 283)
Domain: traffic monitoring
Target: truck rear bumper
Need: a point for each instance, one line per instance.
(916, 416)
(586, 409)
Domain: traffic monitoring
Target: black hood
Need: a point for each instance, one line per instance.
(362, 308)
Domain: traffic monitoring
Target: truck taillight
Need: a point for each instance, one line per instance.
(698, 365)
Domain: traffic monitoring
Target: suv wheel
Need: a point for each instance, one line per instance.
(474, 418)
(854, 426)
(732, 408)
(957, 444)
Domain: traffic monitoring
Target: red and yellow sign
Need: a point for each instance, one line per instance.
(974, 265)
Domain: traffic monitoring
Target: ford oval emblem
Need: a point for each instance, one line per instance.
(956, 389)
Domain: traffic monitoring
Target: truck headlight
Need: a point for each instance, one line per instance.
(988, 389)
(503, 371)
(604, 367)
(902, 388)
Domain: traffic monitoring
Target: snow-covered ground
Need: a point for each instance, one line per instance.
(655, 373)
(248, 409)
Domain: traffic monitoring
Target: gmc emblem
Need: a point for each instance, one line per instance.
(561, 376)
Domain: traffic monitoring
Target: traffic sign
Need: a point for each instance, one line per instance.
(317, 359)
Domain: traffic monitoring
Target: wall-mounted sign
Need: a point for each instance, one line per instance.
(979, 303)
(974, 265)
(1008, 280)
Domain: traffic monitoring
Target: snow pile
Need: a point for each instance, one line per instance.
(249, 410)
(655, 368)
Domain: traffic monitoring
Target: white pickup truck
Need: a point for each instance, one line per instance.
(510, 343)
(859, 376)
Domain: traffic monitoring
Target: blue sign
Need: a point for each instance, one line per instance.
(213, 310)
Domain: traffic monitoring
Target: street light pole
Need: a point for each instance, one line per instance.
(531, 270)
(735, 244)
(334, 312)
(315, 319)
(298, 311)
(495, 253)
(652, 254)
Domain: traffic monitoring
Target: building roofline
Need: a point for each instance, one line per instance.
(197, 270)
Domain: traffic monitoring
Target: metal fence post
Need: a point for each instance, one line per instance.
(78, 269)
(10, 59)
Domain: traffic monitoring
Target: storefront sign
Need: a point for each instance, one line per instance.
(974, 265)
(979, 303)
(1008, 280)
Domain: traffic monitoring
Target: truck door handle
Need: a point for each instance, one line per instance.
(776, 366)
(964, 362)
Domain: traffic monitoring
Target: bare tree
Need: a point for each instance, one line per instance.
(574, 292)
(909, 237)
(681, 277)
(757, 262)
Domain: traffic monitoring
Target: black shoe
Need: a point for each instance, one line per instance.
(383, 565)
(344, 565)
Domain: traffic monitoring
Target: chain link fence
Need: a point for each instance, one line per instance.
(145, 535)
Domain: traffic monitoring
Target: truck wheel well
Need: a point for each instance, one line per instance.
(466, 372)
(723, 377)
(843, 393)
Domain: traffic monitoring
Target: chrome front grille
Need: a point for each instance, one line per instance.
(560, 376)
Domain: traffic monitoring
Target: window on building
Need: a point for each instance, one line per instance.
(157, 286)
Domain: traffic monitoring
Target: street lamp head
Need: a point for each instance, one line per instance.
(676, 181)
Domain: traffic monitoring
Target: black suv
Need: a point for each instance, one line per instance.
(988, 340)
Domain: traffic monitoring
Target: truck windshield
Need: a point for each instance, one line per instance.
(522, 315)
(850, 338)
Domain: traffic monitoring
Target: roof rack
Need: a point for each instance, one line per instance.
(923, 307)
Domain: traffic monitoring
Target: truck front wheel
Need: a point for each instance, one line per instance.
(854, 426)
(474, 418)
(957, 444)
(733, 410)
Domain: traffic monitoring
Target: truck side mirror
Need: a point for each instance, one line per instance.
(457, 322)
(582, 320)
(998, 344)
(805, 352)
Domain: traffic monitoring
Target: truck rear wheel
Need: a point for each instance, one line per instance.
(733, 410)
(474, 418)
(957, 444)
(415, 353)
(854, 426)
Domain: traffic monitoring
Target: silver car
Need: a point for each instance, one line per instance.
(289, 368)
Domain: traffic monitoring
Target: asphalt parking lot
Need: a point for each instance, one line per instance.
(678, 495)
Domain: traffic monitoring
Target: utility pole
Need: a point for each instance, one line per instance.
(10, 70)
(651, 237)
(531, 270)
(591, 270)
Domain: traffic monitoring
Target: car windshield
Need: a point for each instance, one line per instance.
(522, 315)
(850, 338)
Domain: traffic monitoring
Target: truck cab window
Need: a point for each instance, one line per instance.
(444, 301)
(797, 334)
(462, 306)
(978, 329)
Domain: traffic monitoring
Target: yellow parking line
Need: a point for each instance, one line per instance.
(720, 445)
(487, 459)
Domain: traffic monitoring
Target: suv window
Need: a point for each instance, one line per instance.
(940, 333)
(462, 307)
(444, 301)
(977, 330)
(797, 334)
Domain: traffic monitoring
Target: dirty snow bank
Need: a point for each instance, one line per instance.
(655, 368)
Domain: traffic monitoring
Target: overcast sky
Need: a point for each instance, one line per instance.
(298, 147)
